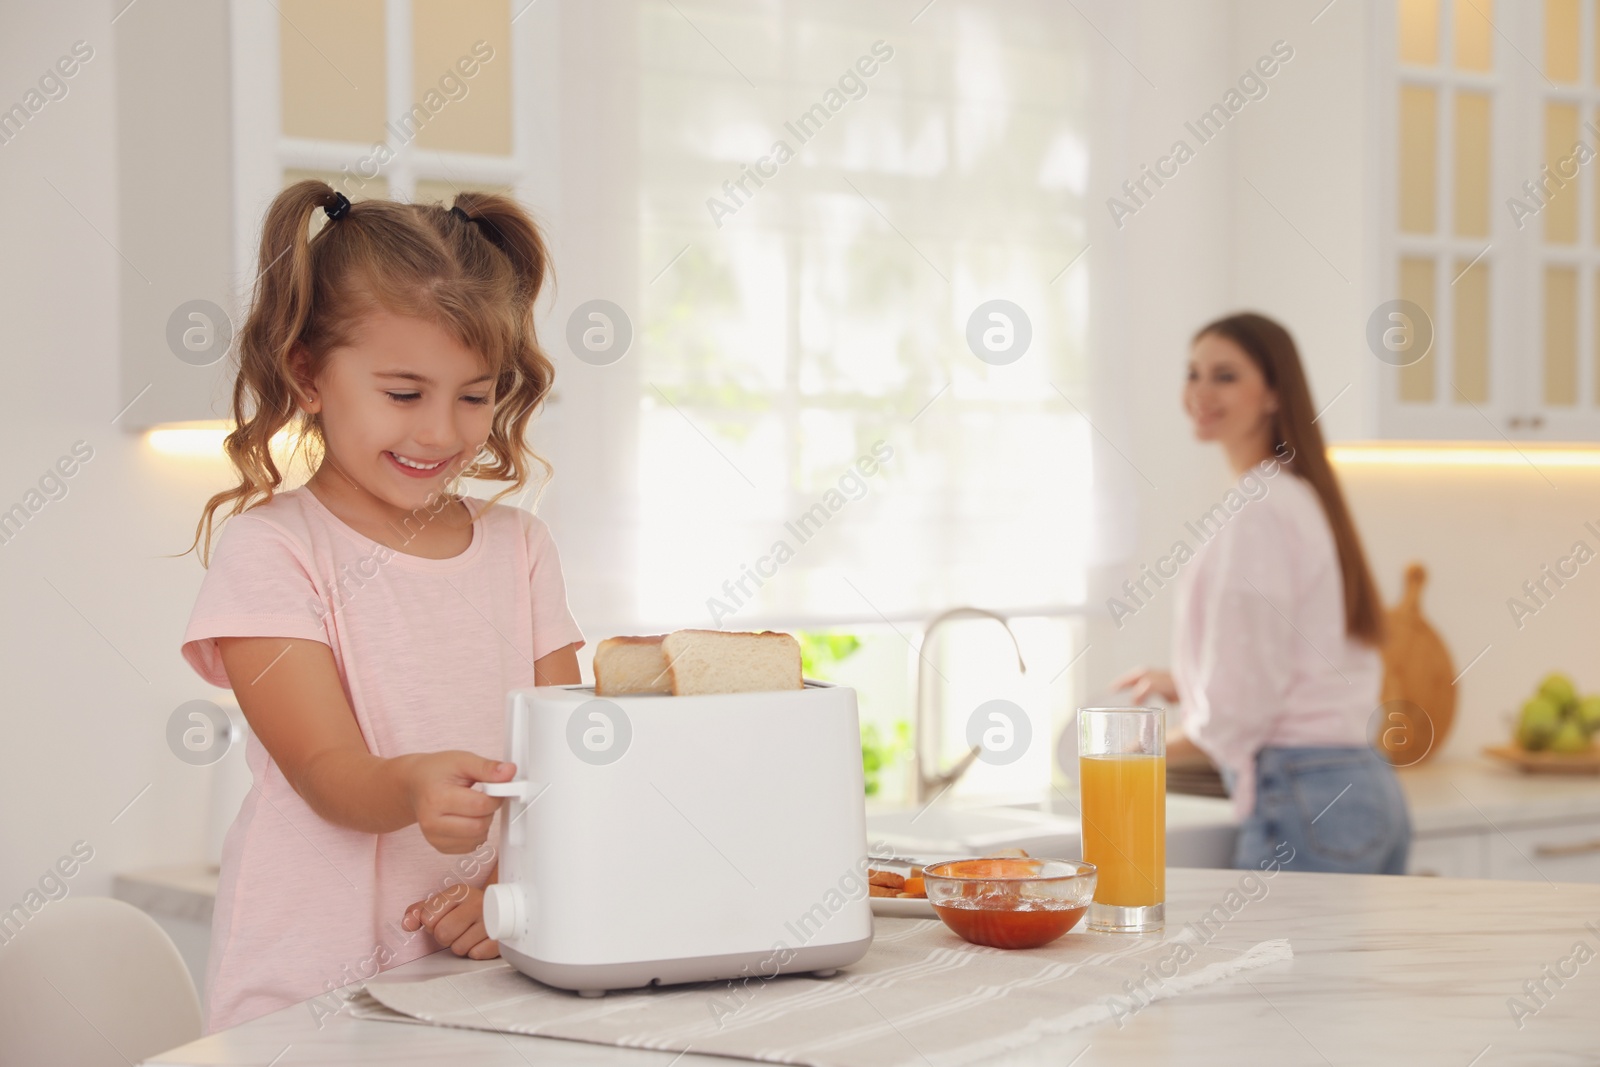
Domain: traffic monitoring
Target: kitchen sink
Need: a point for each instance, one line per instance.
(1200, 831)
(973, 831)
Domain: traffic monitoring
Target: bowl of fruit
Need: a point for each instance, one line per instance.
(1555, 730)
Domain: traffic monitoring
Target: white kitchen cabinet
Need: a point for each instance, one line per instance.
(1489, 231)
(1556, 852)
(1448, 856)
(1560, 853)
(1475, 818)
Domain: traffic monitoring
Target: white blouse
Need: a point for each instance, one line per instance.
(1260, 654)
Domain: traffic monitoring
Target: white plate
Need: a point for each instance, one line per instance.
(903, 908)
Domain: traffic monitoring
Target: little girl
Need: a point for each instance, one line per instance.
(371, 621)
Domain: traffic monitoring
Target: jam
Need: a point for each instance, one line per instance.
(1002, 922)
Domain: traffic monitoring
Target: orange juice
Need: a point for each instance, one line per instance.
(1124, 806)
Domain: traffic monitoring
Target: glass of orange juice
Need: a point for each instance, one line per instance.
(1122, 779)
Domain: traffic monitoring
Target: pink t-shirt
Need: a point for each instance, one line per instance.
(426, 650)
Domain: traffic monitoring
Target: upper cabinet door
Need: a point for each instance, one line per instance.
(410, 100)
(1490, 233)
(1444, 335)
(1563, 378)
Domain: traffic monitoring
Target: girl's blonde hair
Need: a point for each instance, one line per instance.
(476, 279)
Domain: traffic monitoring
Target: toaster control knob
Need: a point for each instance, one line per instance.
(505, 915)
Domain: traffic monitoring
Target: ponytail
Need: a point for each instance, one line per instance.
(478, 278)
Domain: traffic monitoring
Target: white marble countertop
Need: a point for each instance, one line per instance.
(1386, 970)
(1477, 793)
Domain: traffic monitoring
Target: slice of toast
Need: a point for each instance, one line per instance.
(713, 661)
(625, 665)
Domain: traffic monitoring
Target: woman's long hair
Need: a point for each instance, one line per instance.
(1271, 349)
(477, 280)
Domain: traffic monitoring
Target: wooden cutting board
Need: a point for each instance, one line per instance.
(1419, 692)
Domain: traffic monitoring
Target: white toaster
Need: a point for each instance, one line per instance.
(651, 839)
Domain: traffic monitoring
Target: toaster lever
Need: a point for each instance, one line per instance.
(522, 790)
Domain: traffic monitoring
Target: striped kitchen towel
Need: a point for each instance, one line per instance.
(920, 996)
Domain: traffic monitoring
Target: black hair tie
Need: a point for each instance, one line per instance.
(339, 208)
(488, 229)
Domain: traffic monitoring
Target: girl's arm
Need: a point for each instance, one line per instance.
(558, 668)
(289, 691)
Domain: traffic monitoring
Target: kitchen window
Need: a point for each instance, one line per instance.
(793, 211)
(799, 371)
(813, 239)
(815, 314)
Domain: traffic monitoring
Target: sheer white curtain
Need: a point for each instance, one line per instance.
(799, 208)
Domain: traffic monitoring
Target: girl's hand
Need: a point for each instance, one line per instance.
(454, 817)
(454, 918)
(1146, 681)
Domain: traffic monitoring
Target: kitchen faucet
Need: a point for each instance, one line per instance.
(926, 728)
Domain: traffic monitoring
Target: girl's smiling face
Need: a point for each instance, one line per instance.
(1226, 395)
(404, 408)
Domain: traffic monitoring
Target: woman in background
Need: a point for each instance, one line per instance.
(1278, 624)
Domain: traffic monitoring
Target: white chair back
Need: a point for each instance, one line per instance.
(91, 981)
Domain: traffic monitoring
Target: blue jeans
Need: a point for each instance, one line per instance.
(1331, 809)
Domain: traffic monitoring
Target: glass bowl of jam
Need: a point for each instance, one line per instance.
(1010, 903)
